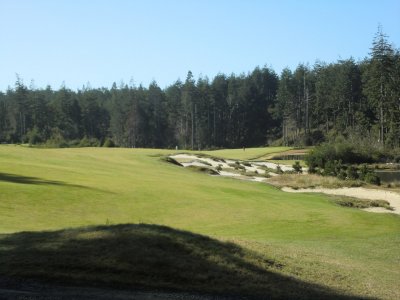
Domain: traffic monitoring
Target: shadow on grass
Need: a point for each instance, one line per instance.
(20, 179)
(149, 257)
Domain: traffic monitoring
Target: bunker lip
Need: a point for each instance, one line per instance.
(226, 168)
(258, 167)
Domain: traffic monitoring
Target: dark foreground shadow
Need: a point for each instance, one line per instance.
(149, 257)
(20, 179)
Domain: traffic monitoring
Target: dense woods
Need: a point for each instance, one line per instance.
(357, 100)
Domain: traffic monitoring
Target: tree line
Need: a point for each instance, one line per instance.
(357, 100)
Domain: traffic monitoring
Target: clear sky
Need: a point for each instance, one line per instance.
(101, 42)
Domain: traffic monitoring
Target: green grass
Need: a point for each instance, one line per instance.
(318, 245)
(288, 162)
(247, 154)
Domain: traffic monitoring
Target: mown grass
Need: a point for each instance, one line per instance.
(247, 154)
(316, 242)
(150, 257)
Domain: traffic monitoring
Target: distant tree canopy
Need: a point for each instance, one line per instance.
(358, 100)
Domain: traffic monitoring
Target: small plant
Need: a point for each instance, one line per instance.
(352, 173)
(312, 168)
(219, 168)
(342, 175)
(372, 178)
(297, 167)
(364, 170)
(330, 168)
(108, 143)
(279, 169)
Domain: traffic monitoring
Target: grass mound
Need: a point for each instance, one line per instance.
(171, 160)
(148, 256)
(320, 243)
(203, 170)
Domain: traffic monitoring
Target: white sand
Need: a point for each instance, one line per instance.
(258, 179)
(358, 192)
(273, 166)
(230, 174)
(194, 163)
(192, 160)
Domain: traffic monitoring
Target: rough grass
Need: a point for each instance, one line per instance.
(360, 203)
(299, 181)
(319, 244)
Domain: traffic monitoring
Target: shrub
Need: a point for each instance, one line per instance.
(56, 141)
(342, 175)
(329, 169)
(108, 143)
(340, 151)
(364, 170)
(372, 178)
(297, 167)
(218, 168)
(34, 136)
(89, 142)
(352, 173)
(279, 169)
(312, 169)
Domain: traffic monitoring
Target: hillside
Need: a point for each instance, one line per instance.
(94, 211)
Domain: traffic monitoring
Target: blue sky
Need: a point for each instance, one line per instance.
(101, 42)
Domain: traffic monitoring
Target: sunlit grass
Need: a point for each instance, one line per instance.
(316, 240)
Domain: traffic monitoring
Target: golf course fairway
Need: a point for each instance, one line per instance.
(126, 218)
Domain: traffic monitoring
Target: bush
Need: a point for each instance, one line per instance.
(329, 169)
(364, 170)
(279, 169)
(341, 151)
(56, 141)
(108, 143)
(34, 136)
(372, 178)
(297, 167)
(89, 142)
(312, 169)
(218, 168)
(352, 173)
(342, 175)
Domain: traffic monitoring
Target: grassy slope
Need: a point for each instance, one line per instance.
(316, 241)
(248, 153)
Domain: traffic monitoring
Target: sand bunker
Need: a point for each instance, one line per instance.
(187, 160)
(358, 192)
(259, 168)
